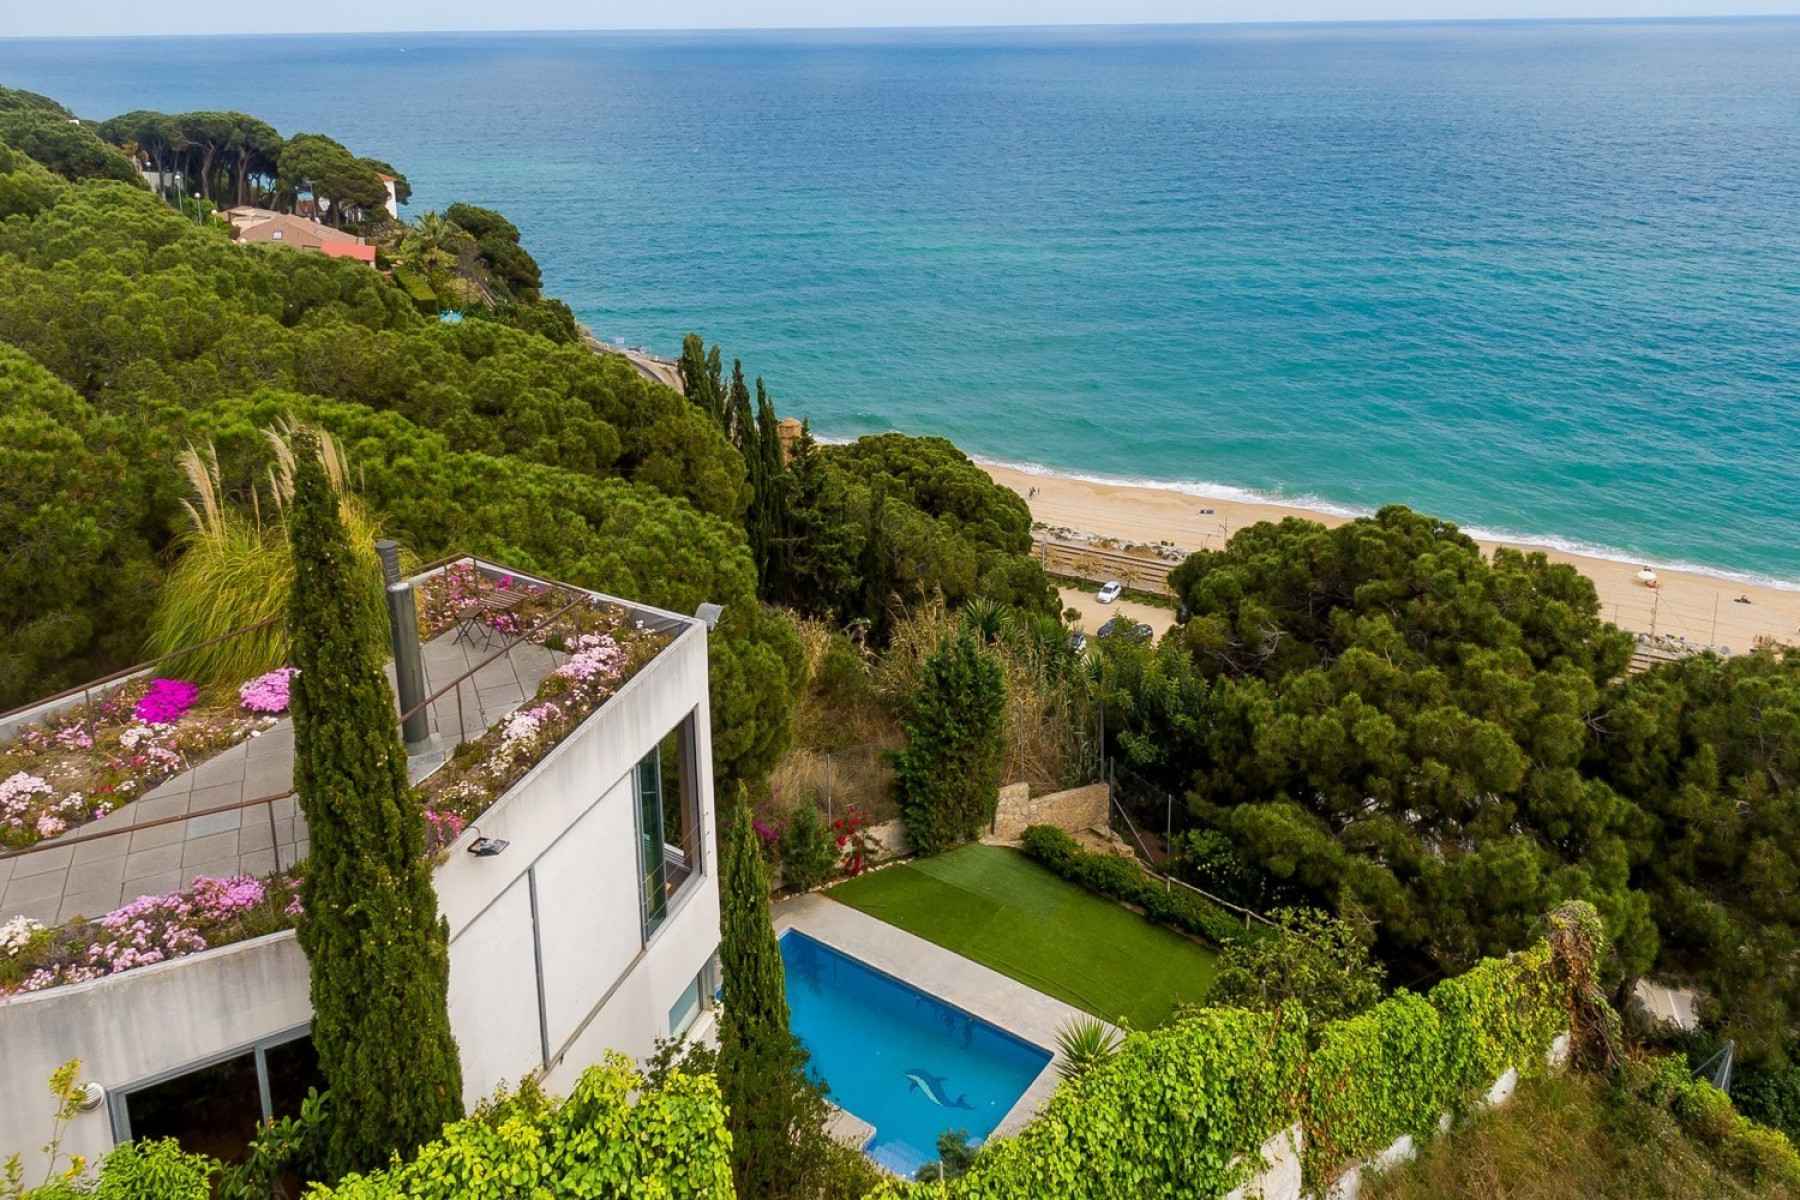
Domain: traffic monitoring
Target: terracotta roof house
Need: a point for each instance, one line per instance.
(273, 228)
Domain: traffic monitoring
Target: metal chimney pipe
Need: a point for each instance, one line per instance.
(388, 552)
(409, 669)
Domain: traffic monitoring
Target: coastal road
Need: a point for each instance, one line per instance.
(1095, 614)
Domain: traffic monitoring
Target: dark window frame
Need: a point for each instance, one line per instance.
(657, 904)
(118, 1099)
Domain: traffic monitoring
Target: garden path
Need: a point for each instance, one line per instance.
(79, 875)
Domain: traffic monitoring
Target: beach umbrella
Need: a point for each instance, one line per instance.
(1647, 575)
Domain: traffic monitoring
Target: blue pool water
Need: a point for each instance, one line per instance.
(871, 1037)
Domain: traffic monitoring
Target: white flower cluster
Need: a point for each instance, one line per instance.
(16, 934)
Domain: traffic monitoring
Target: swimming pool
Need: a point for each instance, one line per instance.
(904, 1061)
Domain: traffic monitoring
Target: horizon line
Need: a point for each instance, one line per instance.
(1295, 22)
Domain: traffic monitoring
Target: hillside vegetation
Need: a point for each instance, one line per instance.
(1385, 722)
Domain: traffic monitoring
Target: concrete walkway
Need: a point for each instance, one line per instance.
(977, 990)
(78, 875)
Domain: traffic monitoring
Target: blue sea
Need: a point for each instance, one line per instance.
(1540, 278)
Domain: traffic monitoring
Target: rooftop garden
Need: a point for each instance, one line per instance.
(602, 646)
(151, 929)
(78, 765)
(86, 761)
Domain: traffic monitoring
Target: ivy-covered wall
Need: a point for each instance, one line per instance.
(1182, 1111)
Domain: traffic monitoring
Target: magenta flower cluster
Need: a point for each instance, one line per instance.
(268, 693)
(167, 701)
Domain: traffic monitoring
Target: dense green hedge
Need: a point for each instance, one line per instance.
(613, 1137)
(1122, 879)
(1170, 1112)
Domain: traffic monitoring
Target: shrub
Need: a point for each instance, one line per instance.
(1084, 1044)
(1320, 960)
(614, 1136)
(808, 850)
(947, 779)
(1122, 879)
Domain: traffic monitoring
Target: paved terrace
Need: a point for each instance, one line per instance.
(86, 877)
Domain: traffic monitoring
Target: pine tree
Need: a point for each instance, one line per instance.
(948, 777)
(378, 951)
(762, 1066)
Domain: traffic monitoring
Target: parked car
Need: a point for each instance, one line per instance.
(1137, 631)
(1109, 591)
(1078, 642)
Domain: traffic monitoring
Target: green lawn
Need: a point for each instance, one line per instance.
(996, 906)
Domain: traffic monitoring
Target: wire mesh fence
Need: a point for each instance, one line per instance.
(1153, 849)
(836, 781)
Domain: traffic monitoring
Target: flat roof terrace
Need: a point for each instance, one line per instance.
(233, 813)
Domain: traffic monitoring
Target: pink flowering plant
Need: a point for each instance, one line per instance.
(86, 760)
(166, 701)
(604, 647)
(268, 693)
(151, 929)
(445, 595)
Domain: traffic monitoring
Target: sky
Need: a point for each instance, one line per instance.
(49, 18)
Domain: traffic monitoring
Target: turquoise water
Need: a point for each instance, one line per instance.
(905, 1062)
(1539, 278)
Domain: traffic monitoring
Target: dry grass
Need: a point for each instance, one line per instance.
(1567, 1136)
(847, 720)
(236, 568)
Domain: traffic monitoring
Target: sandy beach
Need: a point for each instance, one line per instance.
(1696, 607)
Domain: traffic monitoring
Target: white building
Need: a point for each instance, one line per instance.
(594, 929)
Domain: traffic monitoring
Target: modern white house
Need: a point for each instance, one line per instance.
(583, 911)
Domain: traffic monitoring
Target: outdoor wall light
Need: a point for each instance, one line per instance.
(487, 847)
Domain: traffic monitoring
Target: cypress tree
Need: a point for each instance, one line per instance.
(740, 420)
(762, 1066)
(767, 518)
(947, 778)
(874, 567)
(701, 376)
(378, 951)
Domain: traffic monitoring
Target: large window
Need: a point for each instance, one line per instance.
(668, 818)
(214, 1109)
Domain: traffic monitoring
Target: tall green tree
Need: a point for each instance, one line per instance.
(702, 377)
(766, 520)
(769, 1100)
(378, 951)
(948, 776)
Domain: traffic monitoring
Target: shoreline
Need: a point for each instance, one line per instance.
(1691, 604)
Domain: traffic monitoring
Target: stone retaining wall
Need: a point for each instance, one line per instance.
(1074, 810)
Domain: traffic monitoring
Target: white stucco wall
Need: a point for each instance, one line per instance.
(138, 1025)
(571, 825)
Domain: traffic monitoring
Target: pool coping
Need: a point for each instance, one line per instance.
(982, 992)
